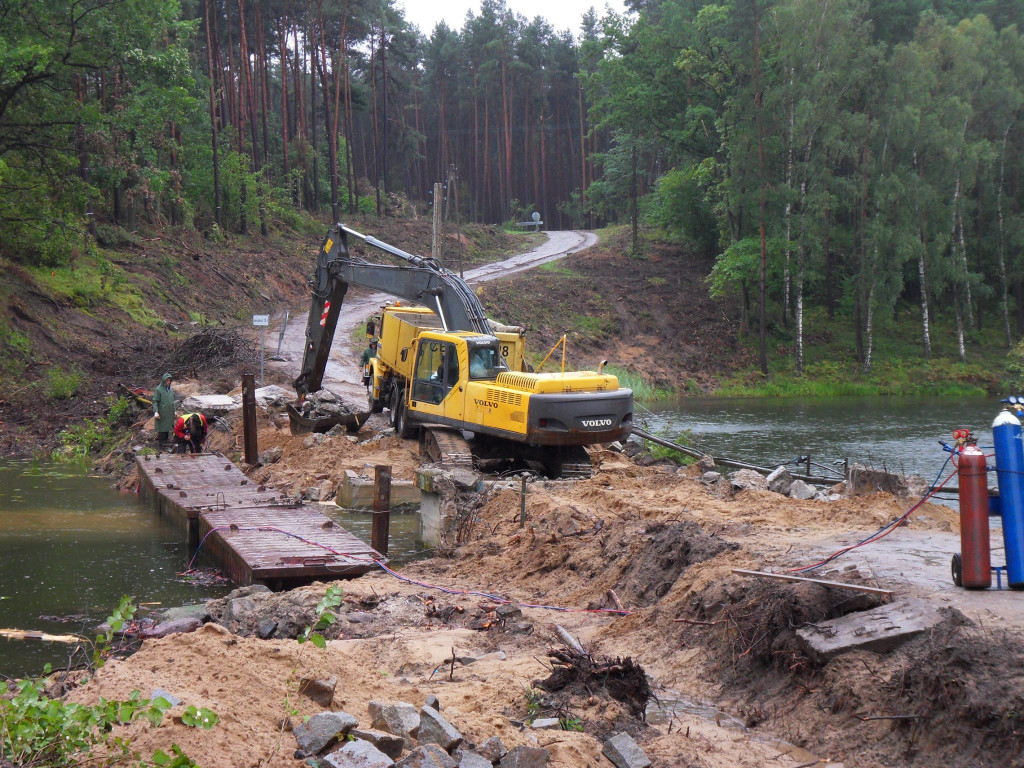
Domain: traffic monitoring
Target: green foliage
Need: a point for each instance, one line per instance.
(90, 437)
(571, 723)
(660, 452)
(534, 702)
(36, 730)
(199, 718)
(324, 617)
(643, 390)
(61, 384)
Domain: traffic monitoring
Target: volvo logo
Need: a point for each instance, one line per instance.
(596, 422)
(485, 403)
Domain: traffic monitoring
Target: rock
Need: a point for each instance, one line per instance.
(247, 591)
(312, 493)
(435, 729)
(545, 723)
(211, 405)
(834, 497)
(320, 690)
(359, 617)
(624, 752)
(525, 757)
(508, 612)
(194, 611)
(388, 743)
(374, 708)
(433, 702)
(493, 749)
(320, 730)
(165, 628)
(801, 490)
(313, 440)
(239, 608)
(266, 628)
(615, 446)
(521, 628)
(399, 718)
(271, 455)
(358, 754)
(747, 480)
(862, 480)
(878, 630)
(780, 481)
(160, 693)
(336, 431)
(706, 463)
(838, 488)
(710, 478)
(427, 756)
(273, 395)
(473, 760)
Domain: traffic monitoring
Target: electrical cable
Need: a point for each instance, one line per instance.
(885, 530)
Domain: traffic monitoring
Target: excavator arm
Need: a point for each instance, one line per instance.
(424, 281)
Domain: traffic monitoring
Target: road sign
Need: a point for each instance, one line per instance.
(260, 321)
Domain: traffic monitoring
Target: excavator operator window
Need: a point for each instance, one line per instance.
(437, 371)
(485, 363)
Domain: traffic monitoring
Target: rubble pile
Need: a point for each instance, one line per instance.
(324, 404)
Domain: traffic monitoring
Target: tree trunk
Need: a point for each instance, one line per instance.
(1002, 259)
(789, 206)
(763, 201)
(926, 336)
(213, 119)
(633, 206)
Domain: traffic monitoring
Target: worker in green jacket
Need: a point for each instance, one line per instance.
(163, 410)
(368, 354)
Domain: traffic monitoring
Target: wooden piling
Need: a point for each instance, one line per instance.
(381, 508)
(252, 453)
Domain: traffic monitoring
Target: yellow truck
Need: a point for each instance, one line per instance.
(441, 371)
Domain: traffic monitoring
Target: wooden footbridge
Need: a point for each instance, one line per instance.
(254, 534)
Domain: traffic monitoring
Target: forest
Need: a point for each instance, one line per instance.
(850, 155)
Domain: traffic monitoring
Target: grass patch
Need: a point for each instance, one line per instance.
(660, 452)
(61, 384)
(642, 389)
(92, 437)
(557, 268)
(95, 281)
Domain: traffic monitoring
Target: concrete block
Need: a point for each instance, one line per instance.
(358, 754)
(878, 630)
(747, 480)
(356, 492)
(435, 729)
(780, 481)
(801, 490)
(624, 752)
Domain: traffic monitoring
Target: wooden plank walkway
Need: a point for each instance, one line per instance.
(255, 534)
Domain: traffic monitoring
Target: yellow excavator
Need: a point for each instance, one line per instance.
(440, 371)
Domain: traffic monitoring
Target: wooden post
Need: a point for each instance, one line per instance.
(522, 504)
(808, 463)
(249, 418)
(381, 508)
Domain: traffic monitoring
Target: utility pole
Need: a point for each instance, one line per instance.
(435, 247)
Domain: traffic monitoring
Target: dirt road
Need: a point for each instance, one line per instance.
(342, 375)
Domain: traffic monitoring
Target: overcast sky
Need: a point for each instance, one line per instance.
(563, 14)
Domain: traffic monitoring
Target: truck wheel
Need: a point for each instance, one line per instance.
(396, 401)
(402, 427)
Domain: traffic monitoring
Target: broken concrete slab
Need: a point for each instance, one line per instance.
(801, 491)
(878, 630)
(624, 752)
(273, 395)
(211, 405)
(780, 480)
(388, 743)
(545, 723)
(435, 729)
(747, 480)
(358, 754)
(320, 730)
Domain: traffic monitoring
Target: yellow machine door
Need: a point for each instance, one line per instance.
(436, 388)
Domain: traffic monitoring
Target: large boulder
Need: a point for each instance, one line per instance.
(747, 480)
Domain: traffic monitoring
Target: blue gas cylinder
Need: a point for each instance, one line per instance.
(1006, 430)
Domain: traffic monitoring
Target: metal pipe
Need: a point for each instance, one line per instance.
(726, 462)
(440, 312)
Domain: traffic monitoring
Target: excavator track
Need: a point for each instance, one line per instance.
(575, 464)
(446, 446)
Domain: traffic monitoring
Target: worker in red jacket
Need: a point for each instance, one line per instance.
(190, 433)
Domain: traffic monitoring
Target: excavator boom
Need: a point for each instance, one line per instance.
(424, 281)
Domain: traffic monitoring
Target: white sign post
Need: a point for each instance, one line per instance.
(261, 322)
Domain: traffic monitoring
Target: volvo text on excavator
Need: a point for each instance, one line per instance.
(441, 374)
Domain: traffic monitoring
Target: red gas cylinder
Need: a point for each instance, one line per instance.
(974, 536)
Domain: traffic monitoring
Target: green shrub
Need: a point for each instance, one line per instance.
(61, 384)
